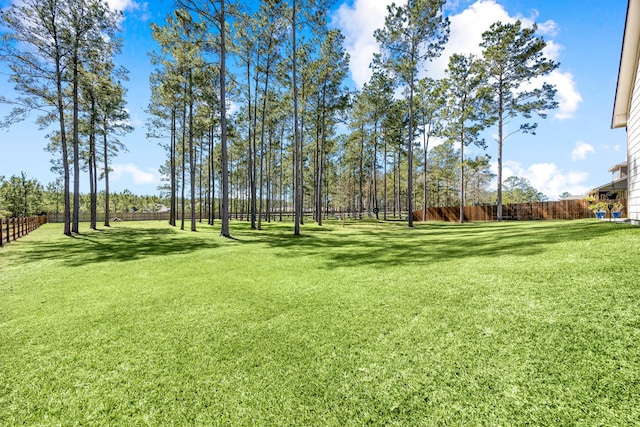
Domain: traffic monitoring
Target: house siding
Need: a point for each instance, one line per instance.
(633, 153)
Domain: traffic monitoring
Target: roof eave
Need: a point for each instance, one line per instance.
(621, 183)
(628, 65)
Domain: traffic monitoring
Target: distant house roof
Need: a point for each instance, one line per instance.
(628, 65)
(573, 197)
(618, 166)
(617, 185)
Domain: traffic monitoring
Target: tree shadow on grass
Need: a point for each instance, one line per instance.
(435, 242)
(116, 245)
(380, 246)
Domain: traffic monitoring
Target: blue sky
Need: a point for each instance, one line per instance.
(572, 150)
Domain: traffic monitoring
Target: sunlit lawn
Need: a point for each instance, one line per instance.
(530, 323)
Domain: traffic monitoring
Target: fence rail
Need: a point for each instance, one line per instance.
(12, 228)
(563, 209)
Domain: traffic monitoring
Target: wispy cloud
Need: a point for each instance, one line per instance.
(358, 22)
(138, 176)
(124, 5)
(581, 150)
(140, 8)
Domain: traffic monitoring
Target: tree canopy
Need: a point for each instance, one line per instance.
(515, 65)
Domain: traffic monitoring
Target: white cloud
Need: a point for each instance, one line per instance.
(232, 107)
(568, 96)
(141, 8)
(466, 32)
(581, 150)
(123, 5)
(552, 50)
(152, 176)
(616, 148)
(466, 35)
(135, 120)
(547, 178)
(547, 28)
(358, 23)
(434, 141)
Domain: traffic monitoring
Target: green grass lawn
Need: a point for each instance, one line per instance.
(519, 323)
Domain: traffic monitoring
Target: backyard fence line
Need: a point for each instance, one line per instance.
(162, 216)
(12, 228)
(563, 209)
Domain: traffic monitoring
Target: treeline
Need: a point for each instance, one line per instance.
(278, 129)
(21, 196)
(300, 139)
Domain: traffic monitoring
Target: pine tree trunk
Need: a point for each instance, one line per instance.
(192, 161)
(172, 161)
(105, 147)
(297, 152)
(76, 146)
(361, 171)
(384, 197)
(500, 136)
(183, 182)
(410, 157)
(224, 231)
(92, 167)
(462, 196)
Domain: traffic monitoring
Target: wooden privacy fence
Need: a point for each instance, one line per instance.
(563, 209)
(14, 228)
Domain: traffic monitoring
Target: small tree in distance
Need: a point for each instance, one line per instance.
(519, 190)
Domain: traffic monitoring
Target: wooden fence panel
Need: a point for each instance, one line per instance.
(563, 209)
